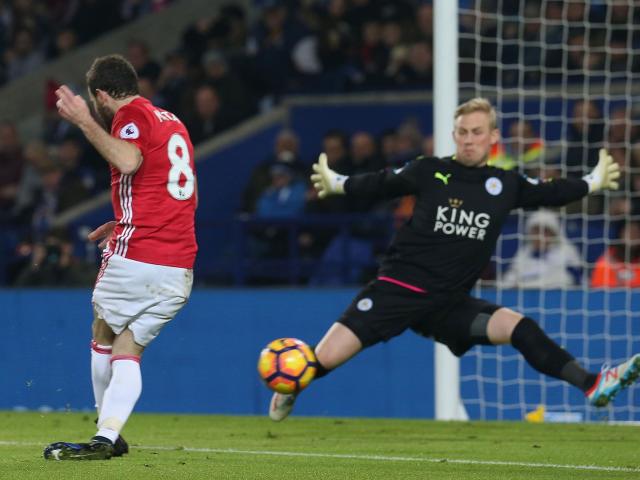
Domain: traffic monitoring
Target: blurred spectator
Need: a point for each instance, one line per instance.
(139, 55)
(335, 40)
(364, 153)
(387, 142)
(285, 152)
(428, 146)
(619, 265)
(623, 132)
(64, 41)
(79, 167)
(207, 119)
(370, 57)
(583, 55)
(424, 19)
(284, 198)
(532, 50)
(271, 43)
(11, 165)
(23, 56)
(148, 88)
(521, 149)
(229, 32)
(547, 259)
(51, 263)
(60, 190)
(621, 135)
(173, 82)
(237, 98)
(37, 160)
(285, 195)
(394, 42)
(336, 145)
(407, 143)
(313, 241)
(364, 159)
(195, 39)
(586, 133)
(417, 69)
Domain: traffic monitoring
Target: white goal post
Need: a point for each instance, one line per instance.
(448, 405)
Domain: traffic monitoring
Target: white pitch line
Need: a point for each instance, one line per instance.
(344, 456)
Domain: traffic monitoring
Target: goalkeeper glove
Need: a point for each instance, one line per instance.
(325, 180)
(605, 175)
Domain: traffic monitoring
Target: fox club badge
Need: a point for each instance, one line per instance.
(365, 304)
(493, 186)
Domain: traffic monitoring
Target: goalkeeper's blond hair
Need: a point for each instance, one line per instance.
(478, 104)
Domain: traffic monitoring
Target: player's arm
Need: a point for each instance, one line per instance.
(123, 155)
(374, 185)
(559, 192)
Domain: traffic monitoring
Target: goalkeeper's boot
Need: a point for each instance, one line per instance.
(611, 381)
(281, 406)
(99, 448)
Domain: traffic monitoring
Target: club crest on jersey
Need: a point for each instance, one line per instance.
(365, 304)
(493, 186)
(130, 130)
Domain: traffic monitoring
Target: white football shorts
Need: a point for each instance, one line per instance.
(140, 296)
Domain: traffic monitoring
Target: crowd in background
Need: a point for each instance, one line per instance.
(33, 32)
(549, 42)
(232, 65)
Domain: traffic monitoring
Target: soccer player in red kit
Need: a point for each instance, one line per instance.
(146, 273)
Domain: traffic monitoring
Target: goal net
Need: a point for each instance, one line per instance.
(565, 79)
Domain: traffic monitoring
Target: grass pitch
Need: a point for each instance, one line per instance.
(226, 447)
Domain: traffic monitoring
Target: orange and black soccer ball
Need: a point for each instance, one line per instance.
(287, 365)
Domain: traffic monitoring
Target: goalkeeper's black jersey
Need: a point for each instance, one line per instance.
(458, 216)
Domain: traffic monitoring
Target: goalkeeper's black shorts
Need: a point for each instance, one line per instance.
(383, 310)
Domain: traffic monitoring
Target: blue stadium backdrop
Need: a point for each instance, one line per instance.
(205, 361)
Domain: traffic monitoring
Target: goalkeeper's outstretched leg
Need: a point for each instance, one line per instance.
(546, 356)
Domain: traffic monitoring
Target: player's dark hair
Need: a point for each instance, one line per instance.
(114, 75)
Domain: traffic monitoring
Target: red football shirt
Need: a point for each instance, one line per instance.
(154, 207)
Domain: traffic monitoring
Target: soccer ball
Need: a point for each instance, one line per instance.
(287, 365)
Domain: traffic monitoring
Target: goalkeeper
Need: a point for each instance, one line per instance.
(434, 260)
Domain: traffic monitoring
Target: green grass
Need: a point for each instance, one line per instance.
(226, 447)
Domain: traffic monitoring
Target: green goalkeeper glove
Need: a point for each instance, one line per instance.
(326, 181)
(605, 175)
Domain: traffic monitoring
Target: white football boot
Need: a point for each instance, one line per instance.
(611, 381)
(281, 406)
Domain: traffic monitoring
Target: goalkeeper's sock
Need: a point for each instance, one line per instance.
(121, 395)
(100, 370)
(576, 375)
(547, 357)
